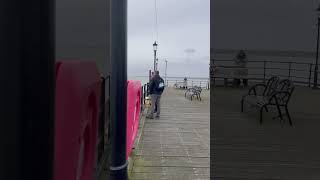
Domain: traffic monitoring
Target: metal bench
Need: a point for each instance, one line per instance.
(180, 85)
(193, 92)
(276, 93)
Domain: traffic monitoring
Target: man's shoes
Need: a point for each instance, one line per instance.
(149, 117)
(157, 116)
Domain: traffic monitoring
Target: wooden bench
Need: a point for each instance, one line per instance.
(275, 93)
(193, 92)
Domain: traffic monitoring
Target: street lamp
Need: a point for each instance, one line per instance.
(155, 47)
(315, 83)
(157, 62)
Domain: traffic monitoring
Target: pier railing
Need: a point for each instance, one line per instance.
(300, 73)
(145, 93)
(204, 84)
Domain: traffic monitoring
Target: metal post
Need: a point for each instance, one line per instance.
(101, 131)
(144, 92)
(166, 72)
(310, 70)
(315, 83)
(157, 62)
(289, 70)
(27, 78)
(264, 71)
(154, 60)
(119, 163)
(141, 98)
(148, 90)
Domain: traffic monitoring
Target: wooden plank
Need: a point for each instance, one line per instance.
(175, 146)
(244, 149)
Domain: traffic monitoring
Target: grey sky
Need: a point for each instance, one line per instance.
(264, 24)
(182, 24)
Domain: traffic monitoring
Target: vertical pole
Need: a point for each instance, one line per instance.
(157, 60)
(144, 92)
(289, 75)
(310, 70)
(166, 71)
(141, 98)
(101, 132)
(264, 71)
(315, 83)
(154, 61)
(119, 163)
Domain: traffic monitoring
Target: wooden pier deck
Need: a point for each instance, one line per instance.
(176, 146)
(244, 149)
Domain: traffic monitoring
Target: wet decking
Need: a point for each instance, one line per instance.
(176, 146)
(244, 149)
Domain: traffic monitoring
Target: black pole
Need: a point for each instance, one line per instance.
(315, 83)
(154, 61)
(27, 89)
(118, 168)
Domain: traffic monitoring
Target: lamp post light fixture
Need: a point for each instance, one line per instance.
(315, 83)
(155, 48)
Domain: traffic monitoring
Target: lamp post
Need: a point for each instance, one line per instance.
(118, 97)
(157, 61)
(315, 83)
(155, 47)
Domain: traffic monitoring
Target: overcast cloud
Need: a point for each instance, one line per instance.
(183, 36)
(264, 24)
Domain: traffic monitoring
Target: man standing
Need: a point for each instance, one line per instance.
(156, 89)
(241, 61)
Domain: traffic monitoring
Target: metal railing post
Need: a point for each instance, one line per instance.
(310, 73)
(144, 92)
(289, 70)
(264, 71)
(141, 98)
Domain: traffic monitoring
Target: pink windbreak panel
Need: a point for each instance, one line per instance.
(133, 113)
(76, 119)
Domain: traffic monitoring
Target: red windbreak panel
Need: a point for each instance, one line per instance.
(133, 113)
(77, 98)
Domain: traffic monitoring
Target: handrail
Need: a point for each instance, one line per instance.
(286, 70)
(191, 83)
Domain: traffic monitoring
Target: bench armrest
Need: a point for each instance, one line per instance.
(188, 90)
